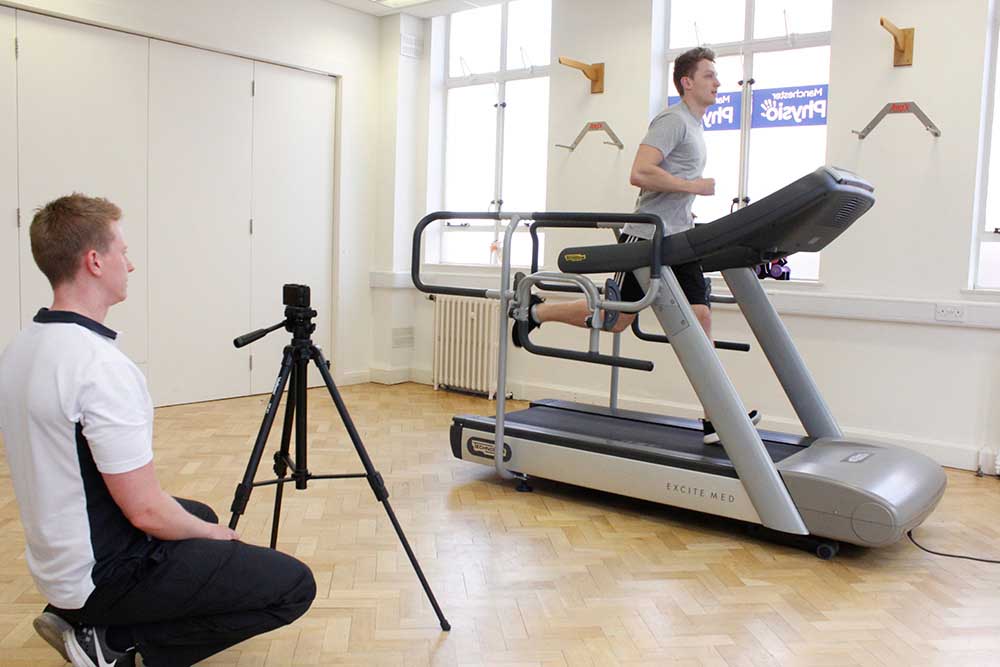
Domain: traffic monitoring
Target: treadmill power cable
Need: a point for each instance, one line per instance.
(909, 534)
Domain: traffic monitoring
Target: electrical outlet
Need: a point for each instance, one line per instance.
(949, 312)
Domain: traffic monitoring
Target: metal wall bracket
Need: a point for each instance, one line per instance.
(899, 107)
(591, 127)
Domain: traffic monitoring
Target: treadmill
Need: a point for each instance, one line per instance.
(814, 491)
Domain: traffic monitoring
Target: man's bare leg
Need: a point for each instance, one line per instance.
(573, 312)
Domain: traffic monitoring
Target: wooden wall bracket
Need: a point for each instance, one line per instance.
(593, 72)
(902, 40)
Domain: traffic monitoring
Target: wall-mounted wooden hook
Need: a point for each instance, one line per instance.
(593, 72)
(902, 39)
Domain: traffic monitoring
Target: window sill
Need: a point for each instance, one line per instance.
(982, 294)
(478, 269)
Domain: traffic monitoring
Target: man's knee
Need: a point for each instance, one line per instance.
(300, 590)
(623, 323)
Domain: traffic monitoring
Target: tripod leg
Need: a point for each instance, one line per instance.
(281, 457)
(376, 482)
(244, 488)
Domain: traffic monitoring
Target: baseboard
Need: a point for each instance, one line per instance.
(389, 375)
(352, 377)
(422, 376)
(948, 454)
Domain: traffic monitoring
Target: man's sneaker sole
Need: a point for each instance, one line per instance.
(51, 628)
(713, 437)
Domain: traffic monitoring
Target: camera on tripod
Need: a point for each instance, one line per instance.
(296, 295)
(293, 372)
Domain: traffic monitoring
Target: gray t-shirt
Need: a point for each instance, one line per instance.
(677, 134)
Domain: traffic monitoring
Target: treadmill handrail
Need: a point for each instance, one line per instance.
(807, 214)
(561, 219)
(564, 220)
(416, 256)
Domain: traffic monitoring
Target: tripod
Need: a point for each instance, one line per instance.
(294, 367)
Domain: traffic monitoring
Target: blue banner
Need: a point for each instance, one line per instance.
(786, 107)
(772, 107)
(723, 115)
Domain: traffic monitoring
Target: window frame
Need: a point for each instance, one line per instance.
(980, 233)
(746, 47)
(500, 78)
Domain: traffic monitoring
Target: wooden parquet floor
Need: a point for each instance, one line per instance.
(562, 576)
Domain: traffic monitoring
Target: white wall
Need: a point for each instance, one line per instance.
(312, 34)
(867, 330)
(403, 119)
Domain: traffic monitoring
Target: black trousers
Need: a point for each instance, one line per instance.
(186, 600)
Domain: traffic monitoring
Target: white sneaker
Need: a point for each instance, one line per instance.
(710, 437)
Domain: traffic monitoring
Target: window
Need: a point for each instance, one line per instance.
(985, 265)
(777, 52)
(496, 125)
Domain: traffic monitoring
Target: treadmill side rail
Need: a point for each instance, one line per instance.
(723, 406)
(782, 354)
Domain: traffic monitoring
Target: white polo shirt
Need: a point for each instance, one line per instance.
(72, 406)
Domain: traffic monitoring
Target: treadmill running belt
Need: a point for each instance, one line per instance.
(645, 441)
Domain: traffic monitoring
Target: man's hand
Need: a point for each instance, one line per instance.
(220, 532)
(703, 186)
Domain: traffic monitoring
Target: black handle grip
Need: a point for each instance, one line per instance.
(246, 339)
(574, 355)
(654, 338)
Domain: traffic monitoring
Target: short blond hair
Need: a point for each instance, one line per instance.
(65, 228)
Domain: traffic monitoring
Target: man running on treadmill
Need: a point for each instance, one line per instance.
(668, 170)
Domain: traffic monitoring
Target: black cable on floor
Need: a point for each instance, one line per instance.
(909, 534)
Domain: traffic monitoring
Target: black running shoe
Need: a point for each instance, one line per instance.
(51, 627)
(710, 437)
(515, 335)
(87, 646)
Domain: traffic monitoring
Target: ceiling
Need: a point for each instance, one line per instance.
(424, 9)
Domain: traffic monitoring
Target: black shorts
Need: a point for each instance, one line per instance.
(696, 288)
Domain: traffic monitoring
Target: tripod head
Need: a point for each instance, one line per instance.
(298, 317)
(298, 314)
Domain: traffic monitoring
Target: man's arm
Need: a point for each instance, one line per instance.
(647, 174)
(151, 510)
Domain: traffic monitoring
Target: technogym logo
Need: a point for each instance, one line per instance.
(485, 448)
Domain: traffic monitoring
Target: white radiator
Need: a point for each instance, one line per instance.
(465, 344)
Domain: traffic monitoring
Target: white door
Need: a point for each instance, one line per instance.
(10, 318)
(82, 128)
(199, 218)
(293, 147)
